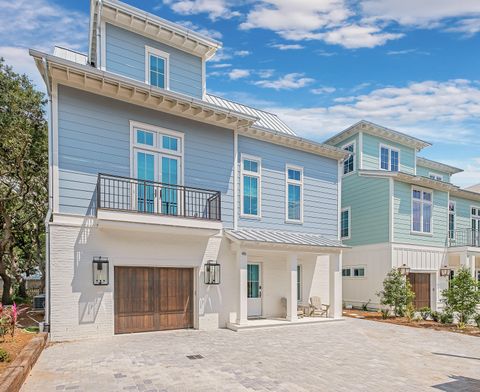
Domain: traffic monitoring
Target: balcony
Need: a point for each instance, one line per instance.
(464, 237)
(143, 201)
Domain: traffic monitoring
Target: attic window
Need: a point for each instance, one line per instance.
(156, 67)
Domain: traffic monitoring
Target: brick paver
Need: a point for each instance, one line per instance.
(354, 355)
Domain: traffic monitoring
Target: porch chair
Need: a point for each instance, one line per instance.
(284, 308)
(318, 309)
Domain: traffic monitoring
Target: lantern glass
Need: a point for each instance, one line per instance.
(212, 272)
(445, 271)
(100, 271)
(404, 270)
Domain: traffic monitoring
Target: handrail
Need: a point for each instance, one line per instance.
(464, 237)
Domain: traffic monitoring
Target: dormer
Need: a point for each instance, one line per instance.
(435, 170)
(144, 47)
(378, 148)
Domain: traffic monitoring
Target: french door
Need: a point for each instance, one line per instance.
(475, 226)
(254, 290)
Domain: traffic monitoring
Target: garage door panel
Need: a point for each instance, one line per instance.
(149, 299)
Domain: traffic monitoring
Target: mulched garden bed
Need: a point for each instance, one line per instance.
(376, 316)
(15, 345)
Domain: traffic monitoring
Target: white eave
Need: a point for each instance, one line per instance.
(149, 25)
(437, 166)
(378, 130)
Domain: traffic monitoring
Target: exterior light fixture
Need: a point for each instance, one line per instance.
(100, 271)
(212, 272)
(444, 271)
(404, 270)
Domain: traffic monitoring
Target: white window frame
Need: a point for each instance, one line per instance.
(349, 209)
(390, 149)
(251, 174)
(299, 282)
(352, 268)
(159, 53)
(454, 213)
(293, 182)
(435, 176)
(354, 155)
(421, 189)
(476, 217)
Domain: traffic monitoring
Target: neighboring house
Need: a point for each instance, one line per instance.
(163, 180)
(400, 209)
(474, 188)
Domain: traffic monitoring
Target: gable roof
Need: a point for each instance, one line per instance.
(378, 130)
(146, 24)
(266, 120)
(434, 165)
(474, 188)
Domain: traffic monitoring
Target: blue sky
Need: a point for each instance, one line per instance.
(412, 65)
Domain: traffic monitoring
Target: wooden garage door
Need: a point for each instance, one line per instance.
(153, 299)
(421, 287)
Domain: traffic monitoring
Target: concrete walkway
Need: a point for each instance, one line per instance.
(355, 355)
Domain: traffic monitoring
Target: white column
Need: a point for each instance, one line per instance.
(335, 285)
(468, 262)
(292, 287)
(242, 287)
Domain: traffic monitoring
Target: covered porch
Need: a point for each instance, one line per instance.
(466, 257)
(285, 278)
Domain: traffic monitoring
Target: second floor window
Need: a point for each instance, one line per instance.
(451, 219)
(156, 68)
(345, 223)
(422, 211)
(294, 193)
(435, 176)
(389, 159)
(251, 176)
(349, 163)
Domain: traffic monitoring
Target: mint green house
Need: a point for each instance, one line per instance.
(399, 209)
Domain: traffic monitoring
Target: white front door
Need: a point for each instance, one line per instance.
(254, 290)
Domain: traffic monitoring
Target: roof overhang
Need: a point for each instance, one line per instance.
(378, 130)
(93, 80)
(438, 166)
(149, 25)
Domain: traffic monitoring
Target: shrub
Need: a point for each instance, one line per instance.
(397, 292)
(410, 312)
(8, 320)
(445, 317)
(435, 316)
(425, 312)
(4, 356)
(463, 295)
(385, 313)
(477, 320)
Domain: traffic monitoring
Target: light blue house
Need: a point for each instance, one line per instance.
(173, 208)
(399, 209)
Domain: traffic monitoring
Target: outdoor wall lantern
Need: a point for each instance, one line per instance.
(404, 270)
(100, 271)
(444, 271)
(212, 272)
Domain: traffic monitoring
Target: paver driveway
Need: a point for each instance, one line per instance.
(354, 355)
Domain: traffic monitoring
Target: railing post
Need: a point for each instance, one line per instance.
(98, 191)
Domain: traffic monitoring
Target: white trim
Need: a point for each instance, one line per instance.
(339, 197)
(259, 187)
(103, 46)
(360, 150)
(159, 53)
(204, 78)
(433, 175)
(354, 157)
(293, 182)
(351, 268)
(349, 209)
(421, 189)
(390, 149)
(299, 281)
(55, 171)
(415, 161)
(235, 180)
(391, 216)
(454, 213)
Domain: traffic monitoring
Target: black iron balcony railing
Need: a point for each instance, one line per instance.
(464, 237)
(134, 195)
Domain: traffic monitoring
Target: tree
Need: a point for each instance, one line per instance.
(397, 292)
(23, 172)
(463, 295)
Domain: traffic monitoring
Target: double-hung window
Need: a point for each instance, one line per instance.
(422, 205)
(451, 219)
(389, 158)
(156, 68)
(435, 176)
(345, 223)
(349, 163)
(251, 178)
(294, 193)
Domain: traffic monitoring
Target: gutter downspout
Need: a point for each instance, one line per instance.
(46, 327)
(99, 62)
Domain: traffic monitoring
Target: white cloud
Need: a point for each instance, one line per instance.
(222, 54)
(289, 81)
(236, 73)
(201, 30)
(468, 27)
(287, 46)
(221, 65)
(471, 172)
(242, 53)
(323, 90)
(265, 73)
(38, 24)
(437, 111)
(214, 8)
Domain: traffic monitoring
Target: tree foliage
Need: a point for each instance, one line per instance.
(463, 295)
(23, 177)
(397, 292)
